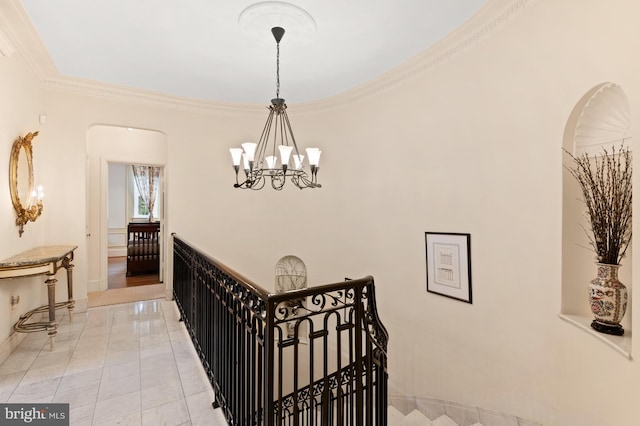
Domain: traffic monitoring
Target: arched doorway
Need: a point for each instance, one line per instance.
(114, 144)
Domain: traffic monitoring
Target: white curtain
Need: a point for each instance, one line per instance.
(147, 179)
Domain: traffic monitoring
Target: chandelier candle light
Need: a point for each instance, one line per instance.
(260, 161)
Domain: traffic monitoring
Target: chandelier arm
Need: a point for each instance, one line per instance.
(302, 182)
(296, 180)
(275, 133)
(253, 180)
(284, 140)
(246, 180)
(293, 138)
(285, 135)
(257, 182)
(264, 140)
(245, 184)
(259, 185)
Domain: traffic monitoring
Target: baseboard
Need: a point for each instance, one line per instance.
(10, 344)
(168, 293)
(80, 305)
(13, 341)
(93, 285)
(459, 413)
(117, 252)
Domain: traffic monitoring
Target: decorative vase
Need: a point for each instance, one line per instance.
(608, 300)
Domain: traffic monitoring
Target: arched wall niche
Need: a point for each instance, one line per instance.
(604, 121)
(291, 274)
(601, 119)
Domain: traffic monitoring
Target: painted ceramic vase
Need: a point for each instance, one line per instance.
(608, 300)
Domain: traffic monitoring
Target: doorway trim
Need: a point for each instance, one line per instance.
(111, 143)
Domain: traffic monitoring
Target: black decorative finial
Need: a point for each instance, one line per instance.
(277, 32)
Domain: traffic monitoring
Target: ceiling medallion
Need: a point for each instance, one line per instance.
(257, 19)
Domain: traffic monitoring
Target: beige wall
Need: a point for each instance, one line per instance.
(471, 145)
(19, 106)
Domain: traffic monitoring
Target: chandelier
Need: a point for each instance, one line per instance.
(262, 161)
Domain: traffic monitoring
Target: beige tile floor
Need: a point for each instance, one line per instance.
(127, 364)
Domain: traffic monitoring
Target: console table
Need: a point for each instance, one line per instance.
(46, 260)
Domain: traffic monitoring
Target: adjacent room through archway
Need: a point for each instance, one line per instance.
(115, 205)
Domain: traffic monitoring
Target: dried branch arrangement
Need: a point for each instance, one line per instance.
(606, 185)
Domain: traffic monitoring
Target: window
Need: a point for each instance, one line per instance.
(140, 210)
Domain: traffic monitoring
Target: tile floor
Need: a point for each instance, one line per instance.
(128, 364)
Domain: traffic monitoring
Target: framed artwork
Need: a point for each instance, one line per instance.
(449, 264)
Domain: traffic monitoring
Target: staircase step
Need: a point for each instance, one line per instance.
(444, 420)
(394, 416)
(416, 418)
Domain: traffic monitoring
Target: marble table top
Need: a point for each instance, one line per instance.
(37, 256)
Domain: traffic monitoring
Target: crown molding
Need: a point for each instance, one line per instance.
(492, 17)
(18, 28)
(6, 47)
(115, 92)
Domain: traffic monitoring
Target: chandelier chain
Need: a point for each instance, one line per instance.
(278, 70)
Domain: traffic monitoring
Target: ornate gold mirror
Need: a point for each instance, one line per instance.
(26, 201)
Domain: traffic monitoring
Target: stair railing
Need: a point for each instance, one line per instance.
(315, 356)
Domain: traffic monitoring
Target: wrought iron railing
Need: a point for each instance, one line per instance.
(315, 356)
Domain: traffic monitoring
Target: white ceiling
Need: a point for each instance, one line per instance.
(196, 48)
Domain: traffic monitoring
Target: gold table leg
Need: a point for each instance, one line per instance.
(66, 263)
(52, 328)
